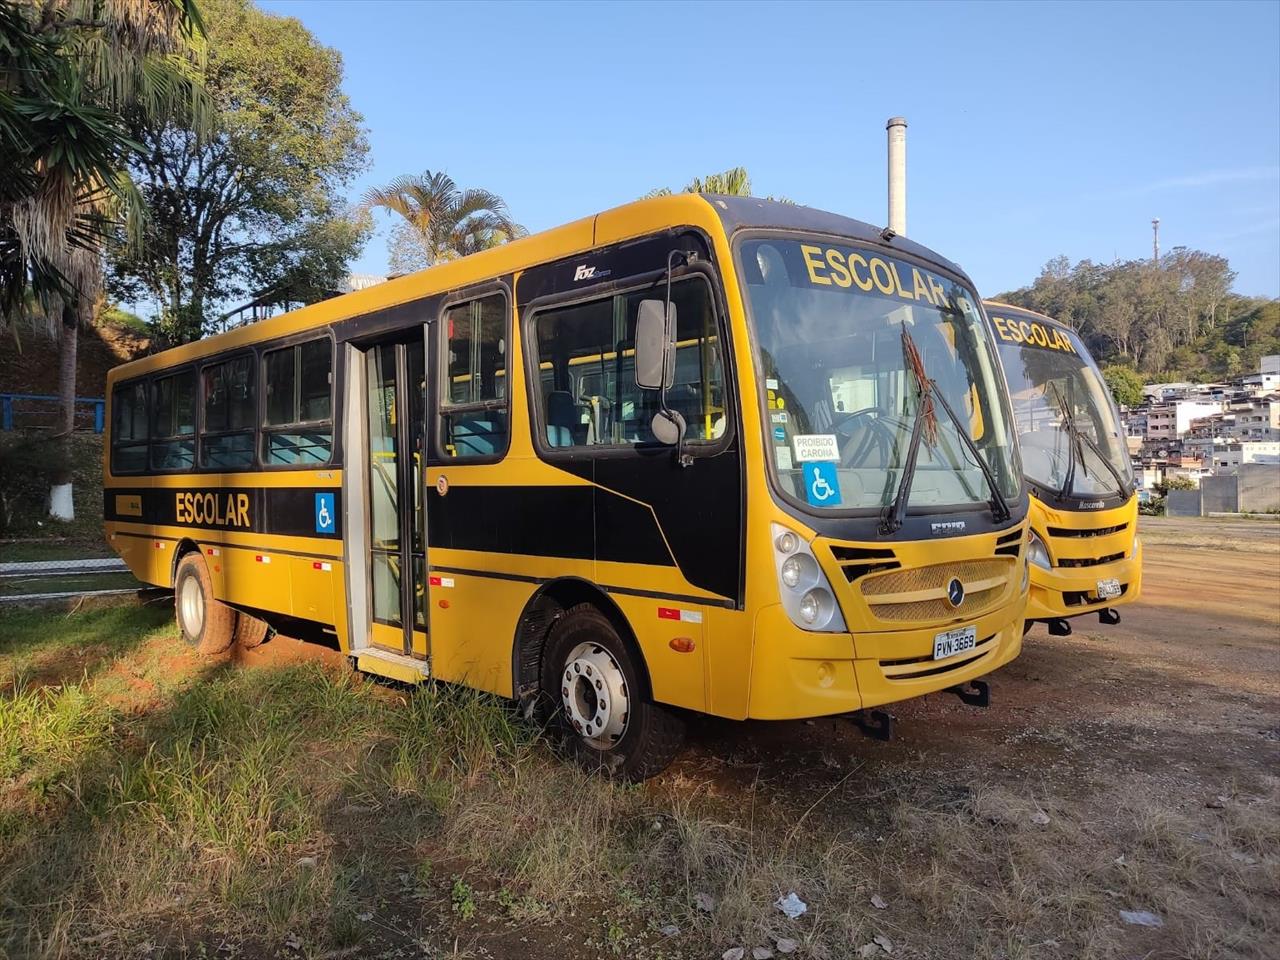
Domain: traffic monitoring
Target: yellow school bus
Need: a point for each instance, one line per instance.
(693, 454)
(1085, 554)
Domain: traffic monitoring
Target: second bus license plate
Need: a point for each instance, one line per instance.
(950, 642)
(1108, 589)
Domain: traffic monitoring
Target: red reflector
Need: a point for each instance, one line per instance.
(209, 551)
(433, 581)
(317, 565)
(668, 613)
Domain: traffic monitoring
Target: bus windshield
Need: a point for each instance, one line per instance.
(838, 332)
(1067, 425)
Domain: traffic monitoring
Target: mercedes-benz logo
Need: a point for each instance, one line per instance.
(955, 592)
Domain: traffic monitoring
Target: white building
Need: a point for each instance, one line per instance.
(1259, 420)
(1169, 421)
(1228, 457)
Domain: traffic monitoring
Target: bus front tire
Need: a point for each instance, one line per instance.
(597, 701)
(205, 622)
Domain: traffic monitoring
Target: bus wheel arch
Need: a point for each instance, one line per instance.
(539, 616)
(592, 688)
(181, 549)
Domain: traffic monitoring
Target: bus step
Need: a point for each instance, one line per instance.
(393, 666)
(876, 724)
(978, 696)
(1058, 627)
(1108, 616)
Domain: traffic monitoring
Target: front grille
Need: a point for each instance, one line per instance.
(1090, 561)
(1083, 598)
(857, 562)
(921, 594)
(1099, 532)
(916, 668)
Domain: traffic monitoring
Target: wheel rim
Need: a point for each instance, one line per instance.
(191, 607)
(593, 691)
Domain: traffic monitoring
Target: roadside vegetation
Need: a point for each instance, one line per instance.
(155, 804)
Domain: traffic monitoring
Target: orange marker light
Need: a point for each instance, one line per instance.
(444, 604)
(681, 644)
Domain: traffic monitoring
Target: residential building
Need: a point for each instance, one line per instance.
(1169, 421)
(1228, 457)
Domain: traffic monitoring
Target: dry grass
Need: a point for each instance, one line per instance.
(299, 811)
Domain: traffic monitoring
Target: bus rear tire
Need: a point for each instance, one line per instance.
(598, 705)
(206, 623)
(250, 631)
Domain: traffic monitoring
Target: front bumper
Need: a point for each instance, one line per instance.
(797, 674)
(1061, 592)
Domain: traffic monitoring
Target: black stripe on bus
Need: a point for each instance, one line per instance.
(627, 591)
(282, 511)
(577, 522)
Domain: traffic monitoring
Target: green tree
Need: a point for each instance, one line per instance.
(255, 208)
(441, 220)
(75, 75)
(1150, 316)
(734, 182)
(1125, 385)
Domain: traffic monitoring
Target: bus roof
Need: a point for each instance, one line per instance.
(610, 226)
(1009, 308)
(751, 212)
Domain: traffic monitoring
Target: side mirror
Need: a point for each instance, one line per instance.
(655, 345)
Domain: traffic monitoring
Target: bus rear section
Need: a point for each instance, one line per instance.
(1086, 556)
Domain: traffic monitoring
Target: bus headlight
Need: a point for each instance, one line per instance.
(806, 595)
(1038, 553)
(790, 571)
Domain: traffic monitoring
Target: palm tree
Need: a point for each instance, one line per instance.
(444, 220)
(74, 74)
(734, 182)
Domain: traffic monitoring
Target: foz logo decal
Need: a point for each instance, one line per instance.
(583, 272)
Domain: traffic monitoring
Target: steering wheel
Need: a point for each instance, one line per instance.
(875, 436)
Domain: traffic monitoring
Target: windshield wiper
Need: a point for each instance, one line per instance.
(1077, 440)
(925, 420)
(926, 423)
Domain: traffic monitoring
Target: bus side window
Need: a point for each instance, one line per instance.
(473, 405)
(129, 428)
(173, 429)
(226, 436)
(299, 424)
(586, 355)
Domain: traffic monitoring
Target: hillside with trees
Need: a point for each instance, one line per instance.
(1171, 320)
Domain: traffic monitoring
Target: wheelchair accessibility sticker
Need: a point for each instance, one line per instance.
(324, 513)
(821, 485)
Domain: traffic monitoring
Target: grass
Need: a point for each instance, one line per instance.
(154, 803)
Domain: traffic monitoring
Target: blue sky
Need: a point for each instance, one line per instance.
(1035, 129)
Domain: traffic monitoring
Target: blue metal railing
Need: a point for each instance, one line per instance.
(7, 399)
